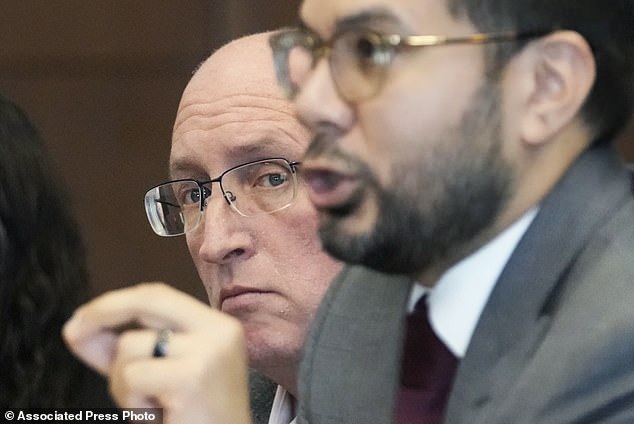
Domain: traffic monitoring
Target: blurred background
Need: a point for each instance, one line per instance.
(101, 80)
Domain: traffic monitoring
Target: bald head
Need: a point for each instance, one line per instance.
(242, 66)
(247, 60)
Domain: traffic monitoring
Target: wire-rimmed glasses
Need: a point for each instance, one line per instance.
(260, 187)
(358, 58)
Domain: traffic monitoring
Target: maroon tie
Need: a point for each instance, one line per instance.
(427, 372)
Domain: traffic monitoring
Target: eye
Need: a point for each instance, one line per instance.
(365, 48)
(189, 193)
(371, 51)
(190, 196)
(272, 180)
(259, 178)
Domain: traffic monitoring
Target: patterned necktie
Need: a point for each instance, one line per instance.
(427, 372)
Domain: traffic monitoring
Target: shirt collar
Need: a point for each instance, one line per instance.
(458, 298)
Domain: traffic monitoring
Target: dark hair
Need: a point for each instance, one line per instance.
(607, 26)
(43, 275)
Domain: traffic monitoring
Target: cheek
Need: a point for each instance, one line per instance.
(299, 240)
(405, 123)
(395, 132)
(193, 245)
(194, 241)
(300, 254)
(310, 285)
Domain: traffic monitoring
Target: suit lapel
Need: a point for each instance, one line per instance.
(517, 313)
(351, 368)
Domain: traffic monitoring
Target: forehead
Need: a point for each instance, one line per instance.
(212, 134)
(417, 16)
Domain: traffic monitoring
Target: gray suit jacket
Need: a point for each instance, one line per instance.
(554, 344)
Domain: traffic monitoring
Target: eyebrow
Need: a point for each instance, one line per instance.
(362, 19)
(236, 155)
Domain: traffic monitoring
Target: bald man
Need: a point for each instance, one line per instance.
(251, 230)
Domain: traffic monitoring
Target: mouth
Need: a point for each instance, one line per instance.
(238, 298)
(329, 189)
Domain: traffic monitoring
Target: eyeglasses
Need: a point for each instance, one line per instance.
(253, 188)
(359, 58)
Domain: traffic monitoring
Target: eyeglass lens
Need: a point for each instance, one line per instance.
(357, 61)
(266, 186)
(358, 64)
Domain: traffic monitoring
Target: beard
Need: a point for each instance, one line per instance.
(439, 202)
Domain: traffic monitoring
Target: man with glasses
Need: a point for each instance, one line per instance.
(467, 144)
(252, 233)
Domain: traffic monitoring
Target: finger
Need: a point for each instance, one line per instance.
(144, 381)
(151, 304)
(105, 347)
(189, 357)
(178, 385)
(194, 349)
(97, 352)
(92, 331)
(134, 347)
(137, 377)
(199, 371)
(141, 344)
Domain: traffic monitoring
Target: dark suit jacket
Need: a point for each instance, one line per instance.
(555, 341)
(261, 395)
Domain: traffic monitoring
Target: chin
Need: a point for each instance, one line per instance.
(344, 236)
(269, 357)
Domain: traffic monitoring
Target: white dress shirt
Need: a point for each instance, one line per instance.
(283, 409)
(458, 298)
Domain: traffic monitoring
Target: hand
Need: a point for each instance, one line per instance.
(202, 378)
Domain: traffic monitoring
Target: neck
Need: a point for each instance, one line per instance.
(285, 375)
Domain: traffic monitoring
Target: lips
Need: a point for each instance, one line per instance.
(239, 297)
(329, 188)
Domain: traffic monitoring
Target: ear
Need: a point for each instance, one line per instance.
(561, 72)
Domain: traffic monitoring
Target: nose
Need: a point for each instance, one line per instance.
(318, 103)
(222, 235)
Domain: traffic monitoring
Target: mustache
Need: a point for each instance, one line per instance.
(325, 145)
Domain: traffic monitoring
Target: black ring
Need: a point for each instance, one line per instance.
(162, 343)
